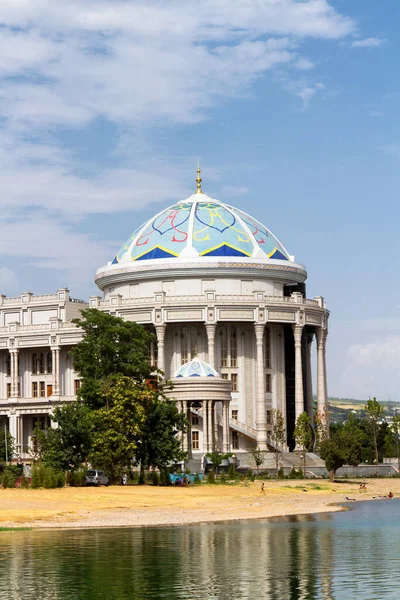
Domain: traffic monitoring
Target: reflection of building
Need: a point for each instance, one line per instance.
(214, 284)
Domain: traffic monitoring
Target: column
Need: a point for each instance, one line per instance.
(298, 389)
(12, 425)
(210, 329)
(310, 403)
(225, 426)
(210, 426)
(205, 426)
(185, 435)
(261, 420)
(18, 441)
(160, 332)
(14, 373)
(55, 351)
(322, 398)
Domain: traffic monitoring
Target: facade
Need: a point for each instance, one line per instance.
(219, 291)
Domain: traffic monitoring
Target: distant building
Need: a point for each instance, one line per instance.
(219, 291)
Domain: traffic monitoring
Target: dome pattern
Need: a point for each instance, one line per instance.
(196, 368)
(201, 227)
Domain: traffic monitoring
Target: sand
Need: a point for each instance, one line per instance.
(136, 506)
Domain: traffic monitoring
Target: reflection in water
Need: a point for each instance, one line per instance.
(347, 555)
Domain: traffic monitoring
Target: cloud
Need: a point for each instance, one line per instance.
(371, 42)
(307, 93)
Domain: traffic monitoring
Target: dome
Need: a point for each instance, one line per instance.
(198, 227)
(196, 368)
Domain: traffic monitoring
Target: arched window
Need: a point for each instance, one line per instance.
(233, 346)
(41, 364)
(49, 362)
(224, 347)
(34, 364)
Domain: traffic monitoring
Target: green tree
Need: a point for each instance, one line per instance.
(303, 435)
(258, 456)
(6, 438)
(374, 412)
(110, 347)
(332, 452)
(66, 447)
(157, 442)
(396, 433)
(278, 434)
(116, 425)
(216, 458)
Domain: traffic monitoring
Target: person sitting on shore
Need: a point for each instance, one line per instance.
(390, 495)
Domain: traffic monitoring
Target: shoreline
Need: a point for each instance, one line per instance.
(148, 506)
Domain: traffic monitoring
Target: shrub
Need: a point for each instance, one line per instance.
(250, 474)
(8, 479)
(222, 478)
(76, 478)
(197, 479)
(24, 482)
(142, 478)
(37, 479)
(231, 471)
(49, 478)
(281, 473)
(210, 477)
(188, 471)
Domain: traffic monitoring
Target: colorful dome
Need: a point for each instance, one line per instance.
(201, 227)
(196, 368)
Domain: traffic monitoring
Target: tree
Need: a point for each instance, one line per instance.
(332, 452)
(216, 458)
(278, 434)
(158, 444)
(116, 425)
(396, 432)
(6, 438)
(321, 426)
(66, 447)
(374, 412)
(258, 456)
(303, 435)
(110, 347)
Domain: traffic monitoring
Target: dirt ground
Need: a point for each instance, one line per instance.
(134, 506)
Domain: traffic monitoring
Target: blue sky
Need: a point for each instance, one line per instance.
(291, 107)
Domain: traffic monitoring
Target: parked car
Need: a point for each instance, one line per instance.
(95, 477)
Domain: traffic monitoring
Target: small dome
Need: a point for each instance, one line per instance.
(196, 368)
(198, 228)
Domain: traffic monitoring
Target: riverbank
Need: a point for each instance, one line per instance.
(139, 506)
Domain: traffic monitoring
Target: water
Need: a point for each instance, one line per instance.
(338, 556)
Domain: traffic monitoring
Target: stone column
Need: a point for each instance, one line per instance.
(225, 426)
(205, 427)
(298, 389)
(55, 351)
(185, 435)
(310, 403)
(210, 426)
(160, 332)
(12, 425)
(261, 421)
(322, 396)
(210, 329)
(18, 441)
(14, 373)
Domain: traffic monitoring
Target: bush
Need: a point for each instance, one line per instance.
(76, 478)
(210, 477)
(281, 473)
(142, 478)
(222, 478)
(188, 471)
(46, 477)
(49, 479)
(250, 474)
(24, 482)
(197, 479)
(8, 479)
(231, 471)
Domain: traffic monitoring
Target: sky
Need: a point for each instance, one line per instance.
(291, 106)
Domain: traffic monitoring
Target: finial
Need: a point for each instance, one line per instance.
(198, 180)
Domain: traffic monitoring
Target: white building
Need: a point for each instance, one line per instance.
(214, 285)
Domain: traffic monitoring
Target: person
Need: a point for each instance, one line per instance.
(262, 491)
(390, 495)
(124, 479)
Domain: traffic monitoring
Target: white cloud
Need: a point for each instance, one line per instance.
(307, 93)
(371, 42)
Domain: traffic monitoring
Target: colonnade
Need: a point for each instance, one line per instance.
(14, 376)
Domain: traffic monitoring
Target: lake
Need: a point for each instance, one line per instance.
(345, 555)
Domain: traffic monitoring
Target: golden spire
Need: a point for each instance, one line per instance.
(198, 180)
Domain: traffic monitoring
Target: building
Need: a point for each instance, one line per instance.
(224, 298)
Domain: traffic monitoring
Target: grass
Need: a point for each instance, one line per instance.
(15, 528)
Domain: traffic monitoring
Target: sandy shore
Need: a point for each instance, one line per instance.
(136, 506)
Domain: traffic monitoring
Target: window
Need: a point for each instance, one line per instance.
(268, 387)
(42, 389)
(77, 385)
(234, 379)
(269, 420)
(235, 414)
(233, 346)
(8, 390)
(224, 347)
(189, 343)
(195, 440)
(41, 364)
(8, 365)
(267, 349)
(49, 362)
(184, 350)
(34, 389)
(194, 346)
(235, 440)
(225, 376)
(195, 420)
(35, 364)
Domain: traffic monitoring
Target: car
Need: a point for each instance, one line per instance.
(95, 477)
